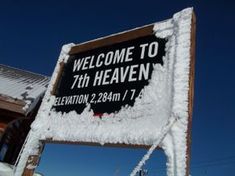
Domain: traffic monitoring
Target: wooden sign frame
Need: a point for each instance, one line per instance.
(132, 34)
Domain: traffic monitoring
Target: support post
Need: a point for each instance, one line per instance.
(191, 92)
(33, 161)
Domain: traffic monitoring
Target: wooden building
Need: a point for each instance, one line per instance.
(20, 97)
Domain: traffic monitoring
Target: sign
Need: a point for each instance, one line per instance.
(139, 83)
(108, 77)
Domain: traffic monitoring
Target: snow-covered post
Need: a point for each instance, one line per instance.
(191, 91)
(178, 141)
(30, 155)
(175, 138)
(33, 161)
(33, 147)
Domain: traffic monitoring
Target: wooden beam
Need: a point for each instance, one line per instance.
(119, 145)
(8, 115)
(191, 92)
(33, 161)
(11, 104)
(53, 91)
(116, 38)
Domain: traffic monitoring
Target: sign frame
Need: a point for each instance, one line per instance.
(120, 37)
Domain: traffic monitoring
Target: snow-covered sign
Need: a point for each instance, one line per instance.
(131, 88)
(110, 77)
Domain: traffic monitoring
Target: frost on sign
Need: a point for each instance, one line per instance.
(120, 89)
(110, 77)
(132, 88)
(116, 89)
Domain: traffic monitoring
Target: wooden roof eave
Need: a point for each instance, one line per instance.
(11, 104)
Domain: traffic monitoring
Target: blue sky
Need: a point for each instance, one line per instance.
(33, 32)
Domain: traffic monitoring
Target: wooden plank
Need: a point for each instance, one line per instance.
(119, 145)
(11, 100)
(53, 92)
(117, 38)
(8, 115)
(12, 106)
(191, 92)
(32, 161)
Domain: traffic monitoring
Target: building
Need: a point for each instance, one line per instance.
(20, 97)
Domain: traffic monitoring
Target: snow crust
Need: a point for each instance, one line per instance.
(174, 144)
(149, 114)
(173, 136)
(158, 117)
(64, 52)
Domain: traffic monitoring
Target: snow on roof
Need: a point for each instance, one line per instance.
(22, 86)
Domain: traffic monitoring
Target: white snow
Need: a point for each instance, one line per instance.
(64, 52)
(164, 102)
(7, 170)
(178, 29)
(174, 144)
(149, 114)
(164, 132)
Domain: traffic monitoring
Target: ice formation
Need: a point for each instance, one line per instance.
(178, 29)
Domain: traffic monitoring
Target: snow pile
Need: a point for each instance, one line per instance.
(162, 105)
(7, 170)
